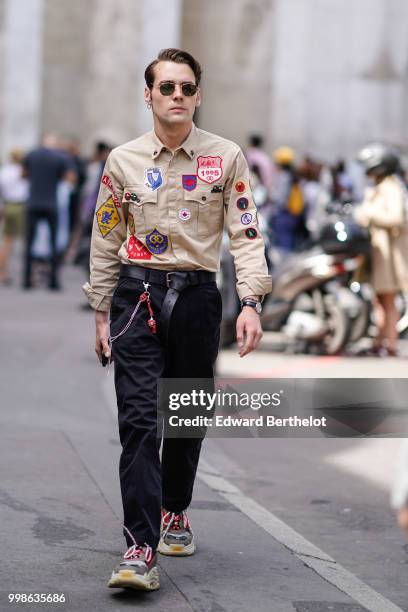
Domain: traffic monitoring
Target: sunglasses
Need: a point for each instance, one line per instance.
(167, 88)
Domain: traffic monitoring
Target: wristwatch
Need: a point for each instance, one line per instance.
(255, 304)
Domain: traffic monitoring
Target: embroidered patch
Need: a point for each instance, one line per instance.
(246, 218)
(127, 196)
(209, 169)
(242, 203)
(137, 250)
(131, 224)
(217, 189)
(240, 186)
(107, 216)
(184, 214)
(156, 242)
(189, 181)
(107, 181)
(251, 233)
(153, 178)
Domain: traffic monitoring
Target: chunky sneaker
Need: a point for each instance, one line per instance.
(176, 535)
(137, 570)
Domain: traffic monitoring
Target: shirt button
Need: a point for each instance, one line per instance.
(203, 198)
(134, 197)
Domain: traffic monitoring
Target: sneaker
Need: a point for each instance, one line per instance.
(137, 570)
(177, 537)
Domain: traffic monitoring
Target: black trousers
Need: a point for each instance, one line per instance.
(140, 359)
(33, 218)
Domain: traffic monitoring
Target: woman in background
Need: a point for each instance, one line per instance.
(383, 211)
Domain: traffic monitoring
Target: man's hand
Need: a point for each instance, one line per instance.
(102, 335)
(249, 331)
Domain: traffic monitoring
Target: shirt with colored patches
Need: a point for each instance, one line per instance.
(166, 210)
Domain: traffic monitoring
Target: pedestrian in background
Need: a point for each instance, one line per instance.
(78, 164)
(13, 196)
(45, 168)
(260, 162)
(384, 212)
(288, 219)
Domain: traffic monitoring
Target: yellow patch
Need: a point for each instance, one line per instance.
(107, 216)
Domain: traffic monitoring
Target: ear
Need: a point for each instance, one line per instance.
(147, 95)
(198, 99)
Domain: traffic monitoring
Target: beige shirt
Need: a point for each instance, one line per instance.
(166, 210)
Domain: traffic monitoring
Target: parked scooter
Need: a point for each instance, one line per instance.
(306, 302)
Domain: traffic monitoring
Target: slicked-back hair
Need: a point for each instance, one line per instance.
(173, 55)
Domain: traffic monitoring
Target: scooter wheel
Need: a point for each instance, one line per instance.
(338, 327)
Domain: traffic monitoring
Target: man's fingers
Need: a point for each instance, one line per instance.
(253, 337)
(102, 348)
(105, 347)
(240, 333)
(249, 342)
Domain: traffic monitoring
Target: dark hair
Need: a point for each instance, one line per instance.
(173, 55)
(256, 140)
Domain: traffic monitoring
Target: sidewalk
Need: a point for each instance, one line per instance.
(59, 493)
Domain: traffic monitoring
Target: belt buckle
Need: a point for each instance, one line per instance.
(168, 279)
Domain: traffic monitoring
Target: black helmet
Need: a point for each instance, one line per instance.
(378, 159)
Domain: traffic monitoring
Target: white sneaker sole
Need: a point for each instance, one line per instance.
(176, 550)
(126, 578)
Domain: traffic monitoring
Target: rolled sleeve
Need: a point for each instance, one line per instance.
(246, 242)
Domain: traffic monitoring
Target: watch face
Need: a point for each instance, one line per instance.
(258, 308)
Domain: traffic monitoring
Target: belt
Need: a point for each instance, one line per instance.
(175, 281)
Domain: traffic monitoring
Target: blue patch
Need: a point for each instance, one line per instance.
(106, 217)
(156, 242)
(189, 181)
(153, 178)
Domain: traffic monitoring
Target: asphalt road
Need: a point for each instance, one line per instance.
(282, 525)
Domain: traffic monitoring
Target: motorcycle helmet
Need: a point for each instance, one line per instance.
(284, 156)
(378, 159)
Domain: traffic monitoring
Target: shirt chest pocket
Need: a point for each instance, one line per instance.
(209, 209)
(142, 203)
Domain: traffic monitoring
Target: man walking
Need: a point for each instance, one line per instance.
(158, 229)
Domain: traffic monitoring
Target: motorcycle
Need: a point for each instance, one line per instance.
(308, 303)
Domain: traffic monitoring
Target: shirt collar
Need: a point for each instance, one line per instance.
(189, 146)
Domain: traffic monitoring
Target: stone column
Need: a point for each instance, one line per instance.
(20, 102)
(65, 54)
(338, 74)
(233, 40)
(124, 37)
(161, 21)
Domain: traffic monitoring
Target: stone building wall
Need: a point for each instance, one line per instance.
(323, 76)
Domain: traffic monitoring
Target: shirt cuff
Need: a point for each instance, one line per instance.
(96, 300)
(254, 286)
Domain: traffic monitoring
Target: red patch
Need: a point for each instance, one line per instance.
(137, 250)
(108, 183)
(209, 169)
(240, 187)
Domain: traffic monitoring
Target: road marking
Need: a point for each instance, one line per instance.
(308, 553)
